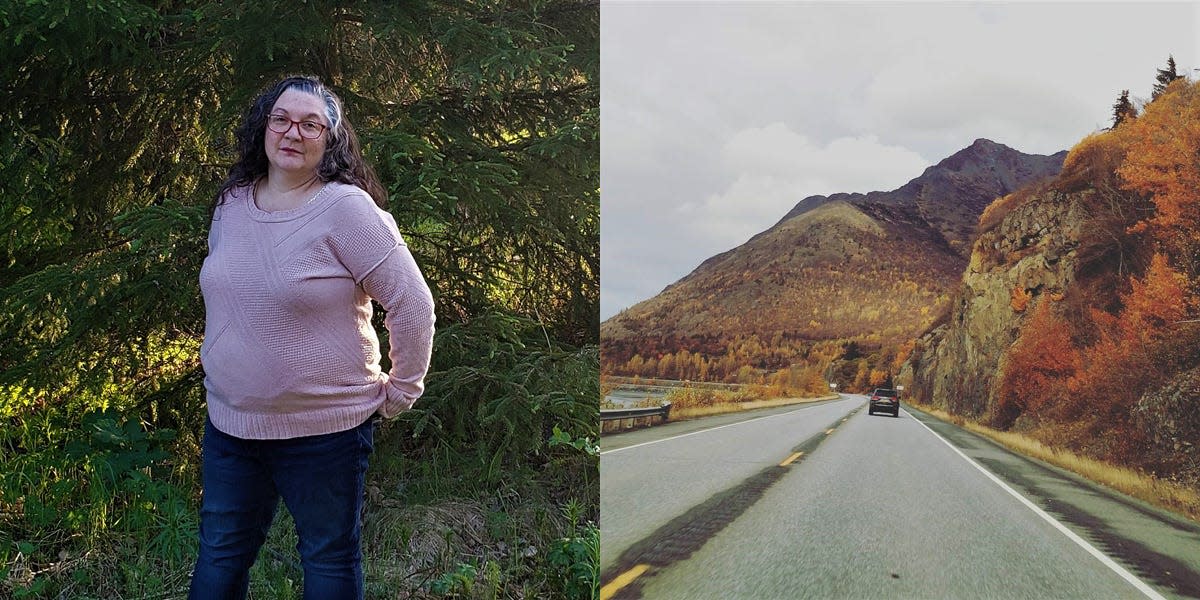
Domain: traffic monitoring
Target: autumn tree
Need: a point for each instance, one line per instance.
(683, 365)
(1162, 163)
(1037, 367)
(797, 380)
(1138, 269)
(666, 366)
(1135, 351)
(878, 377)
(1154, 303)
(746, 374)
(1093, 162)
(862, 377)
(650, 368)
(903, 352)
(635, 364)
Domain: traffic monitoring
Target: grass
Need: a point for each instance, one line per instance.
(692, 402)
(695, 412)
(430, 529)
(1163, 494)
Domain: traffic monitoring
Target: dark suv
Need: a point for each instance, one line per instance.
(885, 401)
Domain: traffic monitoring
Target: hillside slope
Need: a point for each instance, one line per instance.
(872, 268)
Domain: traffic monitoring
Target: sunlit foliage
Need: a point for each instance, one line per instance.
(1127, 327)
(1037, 367)
(1163, 163)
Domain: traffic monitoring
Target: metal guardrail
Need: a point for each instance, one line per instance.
(615, 414)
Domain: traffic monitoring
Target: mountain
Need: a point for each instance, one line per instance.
(872, 268)
(950, 196)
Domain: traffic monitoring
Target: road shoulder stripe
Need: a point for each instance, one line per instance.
(1103, 558)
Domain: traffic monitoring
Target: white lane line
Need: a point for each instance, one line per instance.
(1108, 562)
(675, 437)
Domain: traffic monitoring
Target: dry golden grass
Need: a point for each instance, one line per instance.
(1164, 494)
(693, 403)
(695, 412)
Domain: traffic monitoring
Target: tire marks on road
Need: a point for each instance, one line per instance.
(1035, 479)
(1161, 569)
(682, 536)
(1041, 512)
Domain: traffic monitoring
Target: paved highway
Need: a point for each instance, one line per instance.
(825, 501)
(655, 475)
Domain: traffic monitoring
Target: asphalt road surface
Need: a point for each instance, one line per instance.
(824, 501)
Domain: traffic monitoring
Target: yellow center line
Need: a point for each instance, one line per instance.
(791, 459)
(621, 581)
(828, 431)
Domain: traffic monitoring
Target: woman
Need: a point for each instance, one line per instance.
(299, 246)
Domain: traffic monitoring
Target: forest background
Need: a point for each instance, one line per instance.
(482, 120)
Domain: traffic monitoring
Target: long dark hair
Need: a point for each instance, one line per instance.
(342, 160)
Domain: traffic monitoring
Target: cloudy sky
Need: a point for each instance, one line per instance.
(718, 117)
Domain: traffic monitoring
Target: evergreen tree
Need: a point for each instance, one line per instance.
(1165, 77)
(1123, 109)
(482, 119)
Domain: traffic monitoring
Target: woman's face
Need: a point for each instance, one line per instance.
(291, 151)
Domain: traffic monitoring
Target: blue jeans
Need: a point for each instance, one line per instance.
(320, 479)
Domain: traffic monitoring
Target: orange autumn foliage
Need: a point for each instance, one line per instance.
(1155, 301)
(1128, 356)
(1163, 160)
(902, 354)
(1020, 299)
(1155, 161)
(1038, 366)
(1085, 374)
(878, 377)
(1093, 161)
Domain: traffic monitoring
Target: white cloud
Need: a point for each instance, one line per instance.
(849, 164)
(776, 168)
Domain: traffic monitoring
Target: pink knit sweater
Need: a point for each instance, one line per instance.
(288, 348)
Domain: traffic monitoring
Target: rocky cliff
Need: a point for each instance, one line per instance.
(1039, 253)
(1110, 370)
(1029, 257)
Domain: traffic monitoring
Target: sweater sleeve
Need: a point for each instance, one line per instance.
(369, 244)
(396, 283)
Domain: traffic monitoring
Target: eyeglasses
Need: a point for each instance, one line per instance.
(309, 130)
